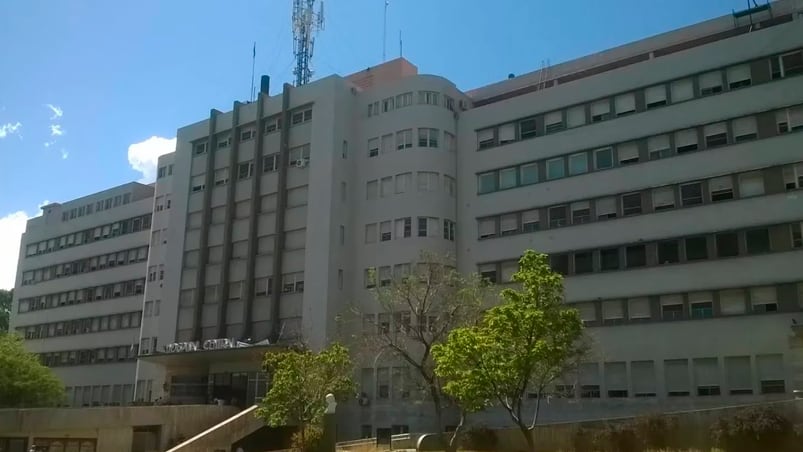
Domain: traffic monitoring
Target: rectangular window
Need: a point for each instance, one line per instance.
(555, 168)
(721, 188)
(609, 259)
(404, 100)
(199, 148)
(373, 147)
(639, 308)
(696, 248)
(371, 189)
(488, 272)
(738, 76)
(404, 139)
(583, 262)
(553, 122)
(369, 278)
(223, 142)
(247, 134)
(771, 374)
(528, 129)
(701, 305)
(370, 233)
(385, 187)
(605, 208)
(448, 230)
(506, 133)
(671, 307)
(387, 105)
(601, 110)
(668, 252)
(403, 227)
(422, 226)
(797, 240)
(558, 216)
(385, 231)
(589, 379)
(787, 64)
(663, 198)
(625, 104)
(631, 204)
(403, 182)
(299, 156)
(529, 221)
(486, 182)
(691, 194)
(428, 97)
(428, 138)
(581, 212)
(384, 276)
(710, 83)
(627, 153)
(715, 135)
(706, 376)
(270, 163)
(559, 263)
(642, 375)
(636, 256)
(578, 163)
(616, 379)
(751, 184)
(387, 144)
(655, 96)
(727, 244)
(507, 178)
(245, 170)
(449, 141)
(576, 116)
(744, 129)
(739, 375)
(793, 176)
(528, 174)
(732, 302)
(427, 181)
(487, 228)
(758, 241)
(198, 183)
(485, 138)
(509, 224)
(686, 141)
(682, 90)
(603, 158)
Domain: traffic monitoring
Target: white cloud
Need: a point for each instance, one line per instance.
(57, 112)
(64, 154)
(9, 129)
(56, 130)
(49, 143)
(143, 156)
(11, 228)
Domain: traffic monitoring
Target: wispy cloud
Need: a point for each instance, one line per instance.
(144, 156)
(64, 154)
(9, 129)
(57, 111)
(56, 130)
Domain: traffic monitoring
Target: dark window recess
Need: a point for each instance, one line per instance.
(758, 241)
(741, 391)
(662, 154)
(702, 310)
(696, 248)
(775, 68)
(672, 312)
(719, 139)
(707, 390)
(722, 195)
(489, 276)
(739, 84)
(765, 307)
(657, 103)
(583, 262)
(631, 204)
(581, 216)
(527, 129)
(645, 394)
(609, 259)
(711, 90)
(668, 252)
(601, 117)
(678, 393)
(557, 216)
(792, 63)
(422, 226)
(691, 194)
(727, 244)
(773, 386)
(687, 148)
(556, 127)
(559, 263)
(636, 256)
(617, 393)
(745, 137)
(589, 392)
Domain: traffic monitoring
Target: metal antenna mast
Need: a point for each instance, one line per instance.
(306, 23)
(385, 31)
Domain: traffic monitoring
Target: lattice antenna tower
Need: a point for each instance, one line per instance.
(306, 24)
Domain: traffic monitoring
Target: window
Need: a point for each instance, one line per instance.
(428, 138)
(262, 286)
(528, 174)
(738, 76)
(245, 170)
(744, 129)
(486, 138)
(404, 100)
(488, 272)
(658, 147)
(686, 140)
(448, 102)
(487, 228)
(555, 168)
(721, 188)
(449, 141)
(427, 181)
(373, 147)
(384, 276)
(639, 308)
(403, 182)
(636, 256)
(427, 226)
(616, 379)
(486, 182)
(274, 123)
(701, 305)
(663, 198)
(529, 221)
(603, 158)
(270, 163)
(706, 376)
(605, 208)
(247, 134)
(642, 374)
(387, 105)
(625, 104)
(199, 148)
(671, 307)
(301, 116)
(696, 248)
(727, 244)
(710, 83)
(428, 97)
(235, 290)
(732, 302)
(553, 122)
(691, 194)
(793, 176)
(448, 230)
(589, 379)
(788, 64)
(508, 224)
(576, 116)
(404, 139)
(578, 163)
(601, 110)
(223, 142)
(581, 212)
(715, 135)
(370, 233)
(682, 90)
(386, 186)
(387, 144)
(655, 96)
(385, 231)
(609, 259)
(371, 189)
(771, 374)
(403, 227)
(507, 178)
(558, 216)
(197, 184)
(668, 252)
(627, 153)
(506, 133)
(299, 156)
(631, 204)
(758, 241)
(739, 375)
(797, 238)
(559, 263)
(751, 184)
(583, 262)
(450, 185)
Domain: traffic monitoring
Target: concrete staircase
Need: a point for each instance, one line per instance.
(220, 437)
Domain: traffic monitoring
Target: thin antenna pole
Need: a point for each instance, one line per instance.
(385, 32)
(253, 64)
(400, 44)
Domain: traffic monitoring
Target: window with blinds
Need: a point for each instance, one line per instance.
(681, 90)
(385, 231)
(639, 308)
(710, 83)
(589, 379)
(529, 220)
(507, 178)
(625, 104)
(706, 376)
(605, 208)
(744, 129)
(793, 176)
(738, 375)
(553, 121)
(764, 299)
(721, 188)
(658, 147)
(487, 228)
(612, 312)
(627, 153)
(616, 379)
(732, 302)
(738, 76)
(663, 198)
(715, 134)
(686, 140)
(642, 376)
(751, 184)
(578, 163)
(588, 312)
(701, 305)
(576, 116)
(507, 133)
(600, 110)
(370, 233)
(581, 212)
(771, 375)
(509, 224)
(676, 377)
(655, 96)
(671, 307)
(485, 138)
(507, 270)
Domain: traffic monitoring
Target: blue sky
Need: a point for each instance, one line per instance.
(86, 85)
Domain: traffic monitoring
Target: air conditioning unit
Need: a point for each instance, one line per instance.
(302, 163)
(363, 400)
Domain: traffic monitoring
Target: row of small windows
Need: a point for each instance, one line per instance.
(402, 100)
(106, 395)
(702, 85)
(130, 225)
(99, 206)
(82, 326)
(397, 322)
(271, 124)
(655, 147)
(708, 376)
(426, 182)
(263, 286)
(85, 265)
(296, 197)
(402, 228)
(85, 295)
(164, 171)
(704, 304)
(403, 139)
(80, 357)
(724, 244)
(294, 240)
(298, 157)
(688, 194)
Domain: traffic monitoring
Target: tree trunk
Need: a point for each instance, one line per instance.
(528, 436)
(434, 393)
(452, 446)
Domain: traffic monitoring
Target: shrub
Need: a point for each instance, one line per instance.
(313, 434)
(619, 437)
(479, 438)
(656, 431)
(752, 430)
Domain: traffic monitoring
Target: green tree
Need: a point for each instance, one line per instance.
(299, 383)
(521, 346)
(24, 381)
(5, 308)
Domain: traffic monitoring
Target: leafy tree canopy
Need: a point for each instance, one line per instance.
(24, 381)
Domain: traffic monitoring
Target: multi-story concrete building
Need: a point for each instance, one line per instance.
(663, 177)
(78, 296)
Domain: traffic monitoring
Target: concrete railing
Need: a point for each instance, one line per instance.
(222, 435)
